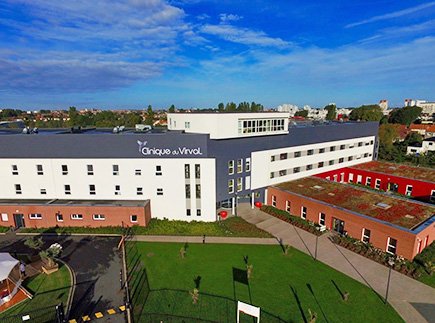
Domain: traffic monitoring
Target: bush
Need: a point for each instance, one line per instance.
(426, 259)
(294, 220)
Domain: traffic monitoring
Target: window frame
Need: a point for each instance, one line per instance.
(304, 212)
(98, 217)
(76, 216)
(390, 245)
(35, 216)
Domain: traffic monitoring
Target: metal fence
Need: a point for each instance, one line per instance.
(50, 314)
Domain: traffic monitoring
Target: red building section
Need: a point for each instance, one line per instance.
(37, 214)
(390, 224)
(416, 182)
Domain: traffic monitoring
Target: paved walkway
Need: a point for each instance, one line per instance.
(199, 239)
(405, 294)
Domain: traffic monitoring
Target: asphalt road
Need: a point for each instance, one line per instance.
(96, 263)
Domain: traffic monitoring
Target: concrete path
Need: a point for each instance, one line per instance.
(199, 239)
(405, 294)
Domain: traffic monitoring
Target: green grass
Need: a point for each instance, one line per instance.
(276, 280)
(4, 229)
(231, 227)
(48, 291)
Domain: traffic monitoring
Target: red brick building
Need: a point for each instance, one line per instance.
(66, 213)
(418, 182)
(394, 225)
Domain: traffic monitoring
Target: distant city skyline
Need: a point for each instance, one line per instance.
(192, 53)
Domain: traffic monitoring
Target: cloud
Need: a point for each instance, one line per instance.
(224, 17)
(243, 36)
(392, 15)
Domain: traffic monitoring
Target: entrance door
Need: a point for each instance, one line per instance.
(19, 220)
(338, 226)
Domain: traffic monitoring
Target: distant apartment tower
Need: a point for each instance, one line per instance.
(383, 104)
(427, 106)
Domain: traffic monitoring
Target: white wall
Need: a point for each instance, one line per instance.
(262, 165)
(171, 205)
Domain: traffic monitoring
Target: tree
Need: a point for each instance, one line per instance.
(332, 112)
(301, 113)
(221, 107)
(149, 120)
(34, 243)
(73, 116)
(413, 139)
(171, 109)
(405, 115)
(367, 113)
(231, 107)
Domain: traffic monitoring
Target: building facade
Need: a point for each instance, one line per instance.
(204, 161)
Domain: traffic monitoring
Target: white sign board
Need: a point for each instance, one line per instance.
(247, 309)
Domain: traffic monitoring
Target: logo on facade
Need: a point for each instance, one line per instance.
(155, 151)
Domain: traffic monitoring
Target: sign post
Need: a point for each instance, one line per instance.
(248, 309)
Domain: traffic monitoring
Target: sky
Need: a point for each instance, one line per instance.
(193, 53)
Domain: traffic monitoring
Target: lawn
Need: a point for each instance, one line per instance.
(231, 227)
(284, 286)
(48, 291)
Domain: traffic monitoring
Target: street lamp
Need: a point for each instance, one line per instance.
(391, 264)
(235, 204)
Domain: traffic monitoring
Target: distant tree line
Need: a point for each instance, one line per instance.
(241, 107)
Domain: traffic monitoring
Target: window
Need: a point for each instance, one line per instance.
(160, 191)
(188, 212)
(287, 206)
(309, 167)
(239, 184)
(322, 218)
(321, 150)
(76, 216)
(350, 158)
(408, 190)
(197, 171)
(359, 179)
(272, 175)
(368, 181)
(35, 216)
(59, 217)
(272, 158)
(304, 212)
(187, 124)
(64, 169)
(377, 183)
(247, 164)
(335, 177)
(342, 177)
(133, 218)
(90, 169)
(92, 189)
(198, 212)
(342, 147)
(115, 169)
(239, 165)
(350, 177)
(365, 235)
(198, 191)
(328, 178)
(297, 154)
(43, 191)
(5, 217)
(117, 189)
(360, 144)
(296, 169)
(320, 164)
(247, 182)
(332, 148)
(186, 171)
(187, 188)
(351, 145)
(139, 191)
(273, 200)
(18, 189)
(158, 170)
(310, 152)
(391, 245)
(341, 160)
(283, 172)
(331, 162)
(231, 167)
(39, 170)
(138, 172)
(98, 217)
(283, 156)
(432, 196)
(366, 155)
(67, 189)
(230, 186)
(14, 170)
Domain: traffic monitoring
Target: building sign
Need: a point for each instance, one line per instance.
(145, 150)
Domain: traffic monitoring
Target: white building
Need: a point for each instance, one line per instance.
(290, 108)
(204, 161)
(428, 108)
(427, 145)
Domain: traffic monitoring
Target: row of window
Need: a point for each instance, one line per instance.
(197, 171)
(366, 233)
(197, 191)
(309, 152)
(239, 165)
(74, 216)
(239, 183)
(294, 170)
(260, 125)
(89, 169)
(92, 190)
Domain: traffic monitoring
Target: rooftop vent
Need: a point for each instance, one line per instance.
(392, 167)
(331, 194)
(409, 216)
(383, 205)
(318, 187)
(300, 185)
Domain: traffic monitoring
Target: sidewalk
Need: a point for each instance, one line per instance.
(404, 291)
(199, 239)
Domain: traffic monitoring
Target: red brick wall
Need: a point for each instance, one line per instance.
(354, 224)
(114, 215)
(421, 190)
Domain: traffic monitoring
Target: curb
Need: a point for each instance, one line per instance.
(68, 234)
(72, 289)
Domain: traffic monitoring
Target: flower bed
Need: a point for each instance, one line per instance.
(411, 269)
(294, 220)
